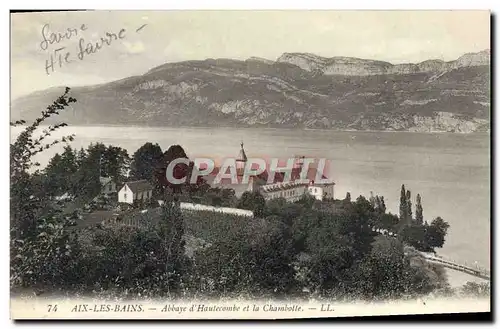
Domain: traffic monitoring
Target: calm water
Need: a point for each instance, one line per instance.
(450, 171)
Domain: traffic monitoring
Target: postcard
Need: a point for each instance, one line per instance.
(249, 164)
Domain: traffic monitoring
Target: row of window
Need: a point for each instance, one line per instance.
(143, 195)
(284, 194)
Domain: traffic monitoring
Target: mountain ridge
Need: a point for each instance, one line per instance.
(340, 64)
(341, 93)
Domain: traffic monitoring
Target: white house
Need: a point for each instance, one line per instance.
(140, 190)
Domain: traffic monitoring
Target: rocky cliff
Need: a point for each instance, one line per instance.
(296, 91)
(362, 67)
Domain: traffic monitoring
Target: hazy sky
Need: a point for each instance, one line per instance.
(170, 36)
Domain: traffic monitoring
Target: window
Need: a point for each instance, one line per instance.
(315, 190)
(125, 196)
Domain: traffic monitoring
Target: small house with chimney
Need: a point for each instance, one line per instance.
(108, 186)
(140, 190)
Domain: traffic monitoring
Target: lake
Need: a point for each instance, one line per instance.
(451, 172)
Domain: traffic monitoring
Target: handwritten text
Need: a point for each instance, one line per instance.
(60, 56)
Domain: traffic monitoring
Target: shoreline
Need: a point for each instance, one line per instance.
(264, 128)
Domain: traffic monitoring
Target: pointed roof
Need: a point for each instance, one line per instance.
(139, 186)
(242, 157)
(105, 180)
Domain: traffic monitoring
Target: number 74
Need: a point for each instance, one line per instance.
(52, 308)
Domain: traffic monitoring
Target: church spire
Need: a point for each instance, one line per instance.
(242, 157)
(241, 161)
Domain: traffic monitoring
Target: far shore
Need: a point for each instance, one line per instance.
(270, 128)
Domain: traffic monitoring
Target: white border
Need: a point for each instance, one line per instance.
(258, 4)
(144, 5)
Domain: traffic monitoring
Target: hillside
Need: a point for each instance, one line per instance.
(298, 90)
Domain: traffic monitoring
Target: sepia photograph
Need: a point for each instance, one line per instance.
(249, 164)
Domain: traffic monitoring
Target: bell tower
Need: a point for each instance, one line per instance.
(241, 161)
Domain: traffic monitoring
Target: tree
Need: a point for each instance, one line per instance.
(275, 207)
(54, 179)
(389, 222)
(42, 250)
(115, 163)
(24, 207)
(98, 160)
(403, 209)
(86, 181)
(253, 201)
(415, 236)
(383, 270)
(255, 259)
(373, 201)
(80, 157)
(476, 289)
(365, 210)
(58, 178)
(219, 197)
(180, 171)
(307, 201)
(436, 233)
(69, 160)
(108, 161)
(144, 161)
(380, 204)
(409, 214)
(336, 243)
(419, 212)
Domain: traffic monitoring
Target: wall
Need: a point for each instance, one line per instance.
(128, 192)
(316, 191)
(290, 194)
(226, 210)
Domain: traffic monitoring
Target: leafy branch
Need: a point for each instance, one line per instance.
(26, 146)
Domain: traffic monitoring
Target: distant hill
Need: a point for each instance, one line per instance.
(297, 91)
(362, 67)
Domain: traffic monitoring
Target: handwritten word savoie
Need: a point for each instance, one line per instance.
(56, 37)
(93, 47)
(62, 56)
